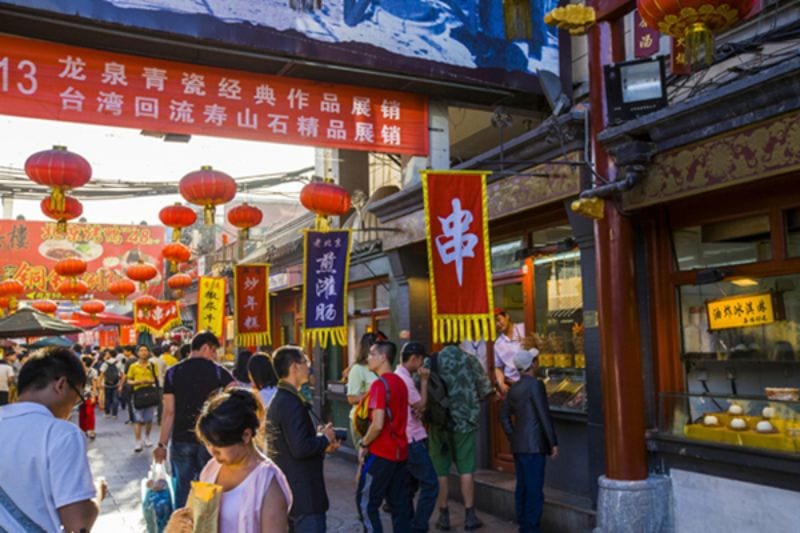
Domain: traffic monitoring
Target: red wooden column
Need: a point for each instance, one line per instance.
(620, 362)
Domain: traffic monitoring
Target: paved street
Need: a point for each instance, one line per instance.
(111, 455)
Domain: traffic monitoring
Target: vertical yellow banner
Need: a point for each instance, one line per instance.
(211, 306)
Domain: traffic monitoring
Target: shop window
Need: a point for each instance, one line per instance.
(731, 242)
(287, 328)
(504, 255)
(368, 306)
(793, 233)
(360, 300)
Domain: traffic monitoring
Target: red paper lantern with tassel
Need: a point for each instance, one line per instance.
(141, 272)
(178, 283)
(176, 253)
(245, 217)
(122, 288)
(59, 169)
(209, 188)
(93, 308)
(47, 307)
(72, 209)
(177, 217)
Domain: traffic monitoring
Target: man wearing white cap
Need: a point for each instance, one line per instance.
(525, 416)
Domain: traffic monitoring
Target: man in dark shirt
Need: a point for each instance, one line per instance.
(187, 385)
(295, 445)
(384, 448)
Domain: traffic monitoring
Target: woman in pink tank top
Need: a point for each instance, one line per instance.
(256, 497)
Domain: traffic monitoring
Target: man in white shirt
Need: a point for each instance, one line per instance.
(507, 344)
(6, 379)
(45, 481)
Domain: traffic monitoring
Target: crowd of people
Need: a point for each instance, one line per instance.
(254, 433)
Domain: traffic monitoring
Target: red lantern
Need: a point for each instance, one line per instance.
(12, 289)
(325, 199)
(176, 253)
(146, 302)
(47, 307)
(70, 268)
(72, 209)
(93, 308)
(245, 217)
(209, 188)
(59, 169)
(4, 303)
(177, 217)
(178, 282)
(694, 21)
(73, 288)
(141, 272)
(122, 288)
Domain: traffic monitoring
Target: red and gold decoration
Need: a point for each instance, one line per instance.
(177, 217)
(245, 217)
(12, 289)
(325, 199)
(4, 303)
(141, 272)
(575, 18)
(695, 21)
(157, 317)
(72, 209)
(73, 289)
(122, 288)
(48, 307)
(175, 253)
(178, 282)
(70, 268)
(211, 305)
(251, 295)
(145, 301)
(457, 230)
(208, 188)
(93, 308)
(60, 170)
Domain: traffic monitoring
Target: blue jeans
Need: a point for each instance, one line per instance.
(529, 495)
(422, 474)
(308, 523)
(112, 401)
(383, 479)
(188, 460)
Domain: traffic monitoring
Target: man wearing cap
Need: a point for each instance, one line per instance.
(525, 416)
(420, 467)
(508, 343)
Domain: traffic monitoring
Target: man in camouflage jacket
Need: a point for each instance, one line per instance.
(467, 385)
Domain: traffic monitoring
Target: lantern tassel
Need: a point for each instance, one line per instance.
(209, 215)
(176, 234)
(699, 37)
(321, 223)
(57, 200)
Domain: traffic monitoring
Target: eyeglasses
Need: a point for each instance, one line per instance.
(76, 391)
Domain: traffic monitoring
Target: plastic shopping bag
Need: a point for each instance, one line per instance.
(204, 501)
(157, 498)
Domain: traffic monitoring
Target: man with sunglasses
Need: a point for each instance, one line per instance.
(45, 481)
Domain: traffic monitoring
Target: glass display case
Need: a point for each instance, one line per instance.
(770, 423)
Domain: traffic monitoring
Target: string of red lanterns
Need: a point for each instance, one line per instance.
(12, 289)
(62, 171)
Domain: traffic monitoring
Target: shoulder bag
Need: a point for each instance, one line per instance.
(148, 396)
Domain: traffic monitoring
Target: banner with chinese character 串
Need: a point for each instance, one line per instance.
(157, 319)
(57, 82)
(211, 306)
(325, 271)
(457, 232)
(29, 251)
(252, 304)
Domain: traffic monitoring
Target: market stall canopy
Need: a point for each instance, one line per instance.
(51, 341)
(32, 323)
(85, 321)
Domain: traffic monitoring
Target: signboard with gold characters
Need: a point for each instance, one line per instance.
(742, 311)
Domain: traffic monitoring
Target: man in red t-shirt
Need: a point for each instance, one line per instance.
(384, 448)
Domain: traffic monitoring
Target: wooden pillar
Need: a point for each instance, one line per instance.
(620, 362)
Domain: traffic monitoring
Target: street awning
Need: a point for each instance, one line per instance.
(31, 323)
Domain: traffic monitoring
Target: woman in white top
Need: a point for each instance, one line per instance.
(263, 377)
(256, 497)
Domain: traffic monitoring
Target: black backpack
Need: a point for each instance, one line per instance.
(437, 410)
(111, 376)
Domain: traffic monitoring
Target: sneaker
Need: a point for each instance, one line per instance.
(443, 523)
(147, 443)
(138, 447)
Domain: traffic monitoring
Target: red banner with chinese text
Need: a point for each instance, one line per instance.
(157, 319)
(29, 251)
(58, 82)
(457, 231)
(211, 306)
(252, 304)
(646, 40)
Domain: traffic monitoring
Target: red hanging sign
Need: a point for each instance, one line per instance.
(457, 228)
(157, 319)
(252, 304)
(51, 81)
(646, 40)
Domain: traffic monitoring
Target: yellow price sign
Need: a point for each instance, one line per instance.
(741, 311)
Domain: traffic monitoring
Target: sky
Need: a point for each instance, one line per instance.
(125, 154)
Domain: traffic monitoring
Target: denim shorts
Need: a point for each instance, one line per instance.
(142, 416)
